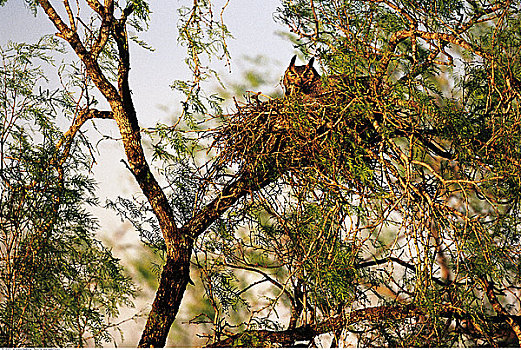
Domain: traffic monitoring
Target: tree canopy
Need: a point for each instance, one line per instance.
(383, 211)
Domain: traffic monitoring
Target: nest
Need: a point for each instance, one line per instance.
(326, 134)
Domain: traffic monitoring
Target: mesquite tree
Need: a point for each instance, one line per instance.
(383, 209)
(59, 286)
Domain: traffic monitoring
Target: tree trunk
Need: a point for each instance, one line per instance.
(174, 278)
(176, 272)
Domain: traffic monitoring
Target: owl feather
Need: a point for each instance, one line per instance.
(302, 79)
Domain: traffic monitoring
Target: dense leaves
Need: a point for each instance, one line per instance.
(59, 286)
(402, 191)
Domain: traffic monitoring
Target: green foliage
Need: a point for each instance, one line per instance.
(399, 184)
(205, 39)
(246, 340)
(140, 215)
(59, 286)
(141, 10)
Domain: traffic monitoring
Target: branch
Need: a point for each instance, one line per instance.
(69, 13)
(456, 40)
(93, 69)
(401, 35)
(120, 35)
(107, 21)
(407, 265)
(500, 310)
(96, 6)
(175, 274)
(64, 31)
(228, 196)
(308, 332)
(67, 138)
(413, 23)
(438, 150)
(125, 116)
(340, 322)
(266, 277)
(478, 16)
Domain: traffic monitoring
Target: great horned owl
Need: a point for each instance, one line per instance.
(302, 79)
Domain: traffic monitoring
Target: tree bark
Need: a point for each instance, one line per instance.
(174, 278)
(308, 332)
(175, 275)
(341, 321)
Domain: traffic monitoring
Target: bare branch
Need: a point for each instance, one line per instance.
(107, 22)
(308, 332)
(97, 7)
(492, 298)
(70, 14)
(67, 138)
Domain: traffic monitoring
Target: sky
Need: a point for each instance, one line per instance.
(255, 34)
(250, 22)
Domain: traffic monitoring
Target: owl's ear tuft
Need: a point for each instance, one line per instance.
(310, 63)
(292, 62)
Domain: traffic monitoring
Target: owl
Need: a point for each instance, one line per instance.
(302, 79)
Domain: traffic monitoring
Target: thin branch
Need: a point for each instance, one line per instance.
(70, 14)
(67, 138)
(107, 22)
(96, 6)
(400, 262)
(339, 322)
(401, 35)
(93, 69)
(266, 277)
(496, 305)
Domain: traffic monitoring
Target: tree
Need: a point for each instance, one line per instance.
(384, 209)
(58, 285)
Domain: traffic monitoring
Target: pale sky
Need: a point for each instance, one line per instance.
(250, 22)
